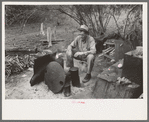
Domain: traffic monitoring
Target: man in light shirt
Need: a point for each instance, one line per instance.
(82, 48)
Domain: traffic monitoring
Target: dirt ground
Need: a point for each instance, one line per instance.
(18, 86)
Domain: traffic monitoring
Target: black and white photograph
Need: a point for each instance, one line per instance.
(77, 53)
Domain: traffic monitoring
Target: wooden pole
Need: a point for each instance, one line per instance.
(49, 36)
(54, 33)
(41, 29)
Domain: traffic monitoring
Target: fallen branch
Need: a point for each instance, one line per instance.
(17, 64)
(106, 51)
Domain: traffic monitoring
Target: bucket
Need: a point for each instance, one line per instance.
(74, 71)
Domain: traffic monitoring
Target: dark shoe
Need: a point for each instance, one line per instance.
(87, 78)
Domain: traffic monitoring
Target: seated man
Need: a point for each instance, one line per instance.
(82, 48)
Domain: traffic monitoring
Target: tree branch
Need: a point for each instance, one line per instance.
(124, 30)
(116, 23)
(25, 21)
(95, 16)
(68, 14)
(107, 21)
(100, 19)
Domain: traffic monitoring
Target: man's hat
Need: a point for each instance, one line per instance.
(83, 28)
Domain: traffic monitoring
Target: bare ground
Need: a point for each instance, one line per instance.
(18, 86)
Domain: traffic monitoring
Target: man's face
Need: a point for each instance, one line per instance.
(83, 35)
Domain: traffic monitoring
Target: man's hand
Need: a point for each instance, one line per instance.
(78, 53)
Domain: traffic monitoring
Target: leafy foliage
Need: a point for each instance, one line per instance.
(96, 17)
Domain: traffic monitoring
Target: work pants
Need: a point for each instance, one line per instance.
(89, 59)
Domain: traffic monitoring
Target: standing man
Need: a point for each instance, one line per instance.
(82, 48)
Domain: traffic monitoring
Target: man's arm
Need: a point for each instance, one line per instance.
(72, 45)
(92, 47)
(69, 47)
